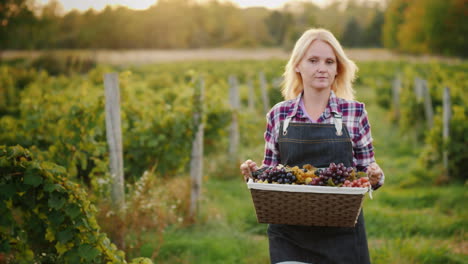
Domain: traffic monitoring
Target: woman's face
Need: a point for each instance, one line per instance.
(318, 67)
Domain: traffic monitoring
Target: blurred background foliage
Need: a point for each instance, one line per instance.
(417, 26)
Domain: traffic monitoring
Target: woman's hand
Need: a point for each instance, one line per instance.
(374, 172)
(247, 167)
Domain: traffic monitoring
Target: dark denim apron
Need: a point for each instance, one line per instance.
(318, 145)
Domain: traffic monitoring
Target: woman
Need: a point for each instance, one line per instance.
(319, 108)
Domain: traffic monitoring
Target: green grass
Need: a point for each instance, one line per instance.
(408, 220)
(414, 225)
(391, 217)
(227, 231)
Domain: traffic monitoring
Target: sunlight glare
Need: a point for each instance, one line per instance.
(83, 5)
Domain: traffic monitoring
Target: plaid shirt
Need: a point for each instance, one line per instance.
(354, 118)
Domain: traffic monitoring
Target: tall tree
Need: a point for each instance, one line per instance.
(393, 20)
(411, 35)
(352, 35)
(256, 31)
(373, 32)
(447, 27)
(278, 24)
(14, 14)
(10, 9)
(48, 22)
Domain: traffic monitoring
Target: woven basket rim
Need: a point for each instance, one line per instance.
(306, 188)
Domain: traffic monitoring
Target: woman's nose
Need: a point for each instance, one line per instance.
(321, 67)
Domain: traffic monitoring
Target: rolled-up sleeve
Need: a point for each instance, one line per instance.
(362, 145)
(271, 157)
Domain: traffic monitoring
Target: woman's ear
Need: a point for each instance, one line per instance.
(297, 69)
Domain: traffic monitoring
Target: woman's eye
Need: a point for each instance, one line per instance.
(330, 61)
(313, 60)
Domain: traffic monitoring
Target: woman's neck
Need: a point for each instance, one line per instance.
(315, 101)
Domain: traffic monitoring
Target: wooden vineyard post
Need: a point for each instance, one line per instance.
(114, 138)
(447, 115)
(396, 96)
(263, 87)
(427, 104)
(234, 129)
(196, 161)
(418, 90)
(251, 95)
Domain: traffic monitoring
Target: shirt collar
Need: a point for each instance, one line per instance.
(332, 106)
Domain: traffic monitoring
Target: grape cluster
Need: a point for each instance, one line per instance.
(274, 175)
(334, 175)
(362, 182)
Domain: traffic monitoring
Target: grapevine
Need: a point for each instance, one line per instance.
(56, 223)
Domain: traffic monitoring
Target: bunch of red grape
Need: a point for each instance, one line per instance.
(334, 175)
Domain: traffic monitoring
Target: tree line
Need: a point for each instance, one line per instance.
(419, 26)
(185, 24)
(427, 26)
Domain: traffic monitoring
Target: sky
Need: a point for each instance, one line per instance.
(83, 5)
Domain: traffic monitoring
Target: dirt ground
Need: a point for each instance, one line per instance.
(125, 57)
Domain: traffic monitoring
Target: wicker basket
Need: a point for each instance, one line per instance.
(306, 205)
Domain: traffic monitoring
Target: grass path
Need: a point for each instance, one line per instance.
(413, 225)
(140, 57)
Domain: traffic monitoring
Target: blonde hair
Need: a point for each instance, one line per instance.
(346, 68)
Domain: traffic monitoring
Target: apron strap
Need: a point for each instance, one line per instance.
(338, 120)
(285, 125)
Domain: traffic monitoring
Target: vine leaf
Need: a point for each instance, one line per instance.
(50, 187)
(32, 178)
(56, 202)
(88, 252)
(61, 248)
(73, 211)
(361, 174)
(50, 235)
(56, 217)
(64, 236)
